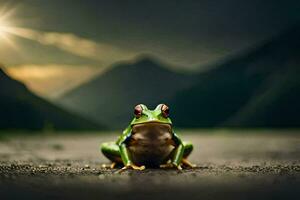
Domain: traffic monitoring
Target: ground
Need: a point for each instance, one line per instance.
(232, 164)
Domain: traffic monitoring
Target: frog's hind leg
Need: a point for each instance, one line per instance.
(111, 151)
(188, 148)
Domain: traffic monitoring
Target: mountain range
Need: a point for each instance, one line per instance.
(21, 109)
(111, 97)
(259, 87)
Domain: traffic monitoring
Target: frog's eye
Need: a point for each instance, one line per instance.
(165, 110)
(138, 110)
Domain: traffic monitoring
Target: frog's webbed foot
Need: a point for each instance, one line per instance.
(170, 166)
(132, 166)
(187, 163)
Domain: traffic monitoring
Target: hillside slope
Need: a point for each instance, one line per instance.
(110, 97)
(259, 88)
(21, 109)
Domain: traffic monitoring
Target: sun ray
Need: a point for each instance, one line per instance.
(22, 32)
(6, 14)
(6, 38)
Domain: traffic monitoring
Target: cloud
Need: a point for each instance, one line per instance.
(52, 80)
(104, 53)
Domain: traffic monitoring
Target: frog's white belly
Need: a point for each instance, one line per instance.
(151, 144)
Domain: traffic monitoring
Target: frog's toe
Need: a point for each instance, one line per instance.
(138, 167)
(187, 163)
(113, 165)
(167, 165)
(179, 167)
(170, 166)
(132, 166)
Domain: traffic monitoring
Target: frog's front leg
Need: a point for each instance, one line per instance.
(188, 148)
(125, 156)
(176, 156)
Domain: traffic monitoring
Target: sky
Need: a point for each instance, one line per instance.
(77, 39)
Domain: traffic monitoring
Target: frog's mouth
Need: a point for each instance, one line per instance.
(152, 122)
(154, 126)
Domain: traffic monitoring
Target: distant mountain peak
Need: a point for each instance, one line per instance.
(144, 63)
(148, 63)
(147, 59)
(141, 61)
(145, 80)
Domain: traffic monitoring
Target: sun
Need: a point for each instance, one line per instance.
(10, 27)
(6, 27)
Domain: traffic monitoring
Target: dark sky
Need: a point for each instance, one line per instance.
(185, 33)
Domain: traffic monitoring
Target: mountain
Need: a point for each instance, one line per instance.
(258, 88)
(111, 97)
(21, 109)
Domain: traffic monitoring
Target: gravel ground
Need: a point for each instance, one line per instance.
(230, 165)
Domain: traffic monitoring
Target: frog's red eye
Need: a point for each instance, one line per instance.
(165, 110)
(138, 111)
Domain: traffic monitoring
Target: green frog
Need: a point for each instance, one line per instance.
(149, 141)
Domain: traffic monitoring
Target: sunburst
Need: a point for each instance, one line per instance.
(6, 15)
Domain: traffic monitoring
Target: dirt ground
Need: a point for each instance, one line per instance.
(230, 165)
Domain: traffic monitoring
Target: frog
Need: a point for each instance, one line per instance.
(149, 141)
